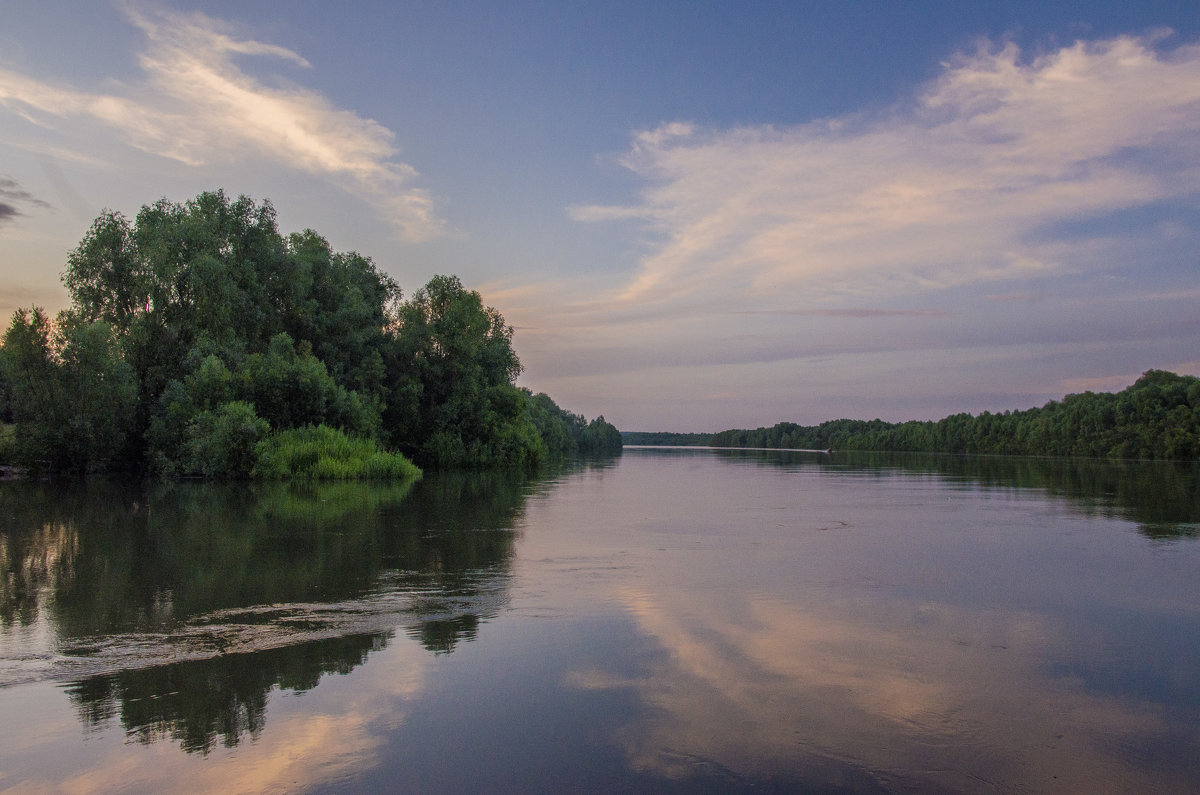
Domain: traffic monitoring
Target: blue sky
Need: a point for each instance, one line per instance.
(697, 216)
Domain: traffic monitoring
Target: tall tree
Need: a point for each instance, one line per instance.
(198, 330)
(71, 393)
(452, 368)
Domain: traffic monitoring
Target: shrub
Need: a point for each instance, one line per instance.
(323, 453)
(222, 442)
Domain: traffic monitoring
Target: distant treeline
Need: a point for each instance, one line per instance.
(201, 341)
(1158, 417)
(667, 439)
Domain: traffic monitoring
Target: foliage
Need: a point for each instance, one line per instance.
(69, 392)
(7, 439)
(324, 453)
(600, 436)
(6, 417)
(198, 328)
(565, 433)
(453, 399)
(300, 327)
(222, 442)
(293, 388)
(1158, 418)
(665, 438)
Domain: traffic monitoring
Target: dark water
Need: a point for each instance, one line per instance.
(685, 620)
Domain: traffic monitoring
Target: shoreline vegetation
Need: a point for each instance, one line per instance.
(1156, 418)
(202, 342)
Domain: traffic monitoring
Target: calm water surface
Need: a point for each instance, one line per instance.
(670, 620)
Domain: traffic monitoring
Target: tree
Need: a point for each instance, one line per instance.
(292, 388)
(197, 328)
(451, 372)
(222, 442)
(71, 394)
(214, 277)
(600, 436)
(1157, 417)
(340, 304)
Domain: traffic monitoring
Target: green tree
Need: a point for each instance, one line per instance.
(291, 388)
(197, 326)
(1157, 417)
(70, 393)
(600, 436)
(222, 442)
(213, 276)
(342, 305)
(452, 367)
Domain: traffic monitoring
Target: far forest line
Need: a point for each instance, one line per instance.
(1156, 418)
(201, 341)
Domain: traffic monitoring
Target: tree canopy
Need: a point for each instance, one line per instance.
(199, 334)
(1157, 417)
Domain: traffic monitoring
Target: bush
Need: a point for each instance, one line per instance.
(222, 442)
(324, 453)
(292, 388)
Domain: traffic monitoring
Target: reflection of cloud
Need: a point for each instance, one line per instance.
(197, 106)
(923, 695)
(945, 192)
(308, 751)
(305, 752)
(309, 745)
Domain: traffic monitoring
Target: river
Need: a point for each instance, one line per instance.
(667, 620)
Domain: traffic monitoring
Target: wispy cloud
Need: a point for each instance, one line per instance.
(12, 197)
(197, 105)
(850, 312)
(944, 191)
(967, 247)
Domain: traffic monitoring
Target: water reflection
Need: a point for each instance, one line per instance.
(885, 625)
(198, 702)
(1162, 497)
(179, 608)
(674, 622)
(881, 698)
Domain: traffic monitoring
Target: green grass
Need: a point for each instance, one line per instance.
(324, 453)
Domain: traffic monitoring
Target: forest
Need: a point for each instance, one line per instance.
(1156, 418)
(201, 341)
(667, 438)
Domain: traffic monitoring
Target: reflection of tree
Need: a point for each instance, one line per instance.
(191, 601)
(155, 561)
(39, 543)
(441, 635)
(196, 702)
(1163, 498)
(29, 564)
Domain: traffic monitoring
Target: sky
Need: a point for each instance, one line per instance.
(695, 215)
